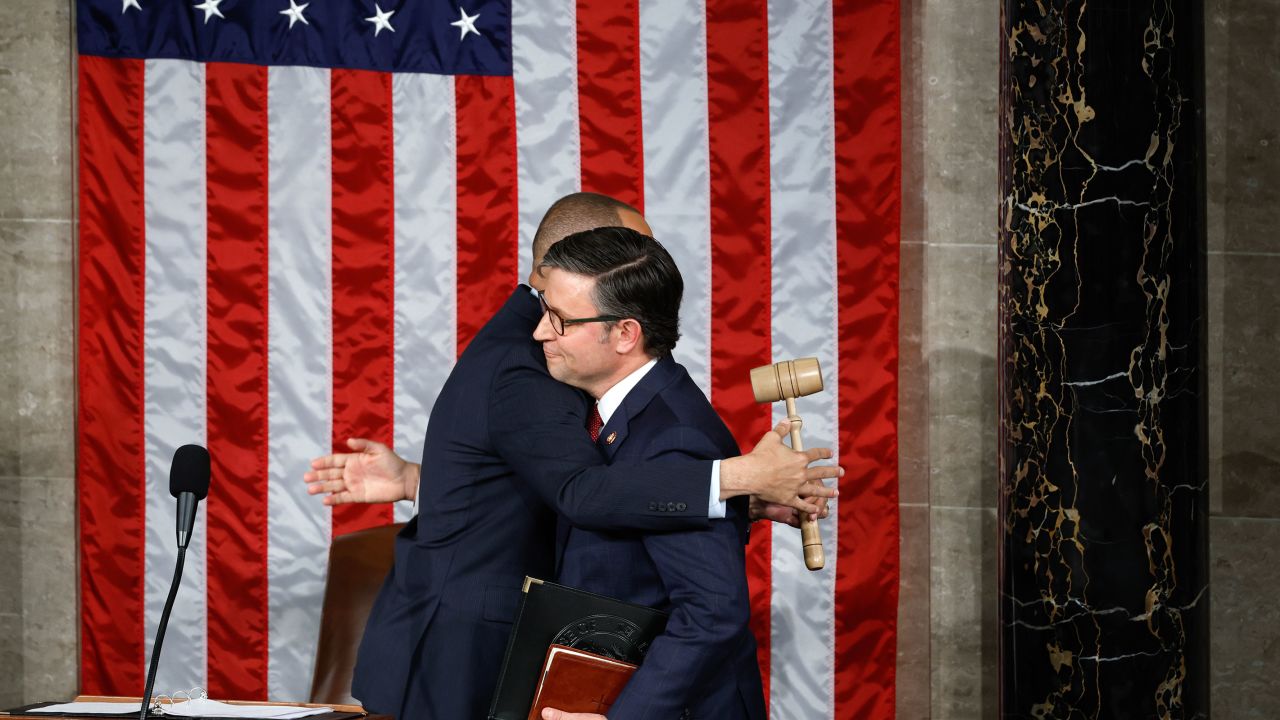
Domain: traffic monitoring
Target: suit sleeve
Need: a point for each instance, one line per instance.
(705, 578)
(538, 427)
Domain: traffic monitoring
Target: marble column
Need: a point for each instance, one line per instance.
(1102, 441)
(38, 614)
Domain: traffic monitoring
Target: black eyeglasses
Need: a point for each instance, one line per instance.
(560, 323)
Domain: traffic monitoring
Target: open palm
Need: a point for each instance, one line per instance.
(371, 474)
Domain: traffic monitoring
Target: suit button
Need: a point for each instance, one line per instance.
(671, 506)
(653, 506)
(681, 506)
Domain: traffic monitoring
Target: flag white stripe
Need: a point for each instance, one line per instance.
(802, 202)
(299, 388)
(545, 64)
(174, 411)
(426, 253)
(677, 180)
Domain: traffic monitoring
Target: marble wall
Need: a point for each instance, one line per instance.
(37, 389)
(947, 625)
(948, 354)
(947, 639)
(1242, 79)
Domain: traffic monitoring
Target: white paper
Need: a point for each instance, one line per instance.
(213, 708)
(89, 708)
(190, 708)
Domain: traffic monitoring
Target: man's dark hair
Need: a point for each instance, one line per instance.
(574, 213)
(635, 278)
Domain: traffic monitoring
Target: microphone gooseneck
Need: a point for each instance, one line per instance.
(189, 483)
(164, 623)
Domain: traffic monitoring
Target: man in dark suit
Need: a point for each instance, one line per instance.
(505, 451)
(611, 318)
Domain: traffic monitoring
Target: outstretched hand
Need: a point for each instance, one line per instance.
(776, 474)
(371, 474)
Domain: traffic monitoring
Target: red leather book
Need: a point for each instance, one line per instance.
(579, 681)
(585, 622)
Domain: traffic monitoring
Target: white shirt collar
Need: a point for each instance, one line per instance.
(613, 397)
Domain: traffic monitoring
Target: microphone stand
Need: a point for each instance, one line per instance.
(164, 623)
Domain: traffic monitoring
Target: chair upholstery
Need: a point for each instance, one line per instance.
(358, 564)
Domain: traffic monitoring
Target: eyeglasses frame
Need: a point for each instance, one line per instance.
(553, 316)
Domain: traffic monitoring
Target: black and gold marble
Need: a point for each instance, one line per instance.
(1102, 448)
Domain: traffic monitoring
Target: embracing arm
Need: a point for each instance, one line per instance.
(538, 426)
(373, 473)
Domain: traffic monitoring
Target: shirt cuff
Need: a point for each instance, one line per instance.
(716, 508)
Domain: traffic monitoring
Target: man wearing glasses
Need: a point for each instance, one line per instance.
(611, 317)
(506, 451)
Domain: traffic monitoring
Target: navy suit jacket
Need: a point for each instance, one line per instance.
(505, 450)
(705, 661)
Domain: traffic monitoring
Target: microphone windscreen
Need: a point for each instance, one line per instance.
(190, 471)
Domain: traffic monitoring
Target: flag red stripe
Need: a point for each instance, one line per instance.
(738, 123)
(488, 217)
(110, 444)
(609, 105)
(868, 201)
(236, 187)
(363, 272)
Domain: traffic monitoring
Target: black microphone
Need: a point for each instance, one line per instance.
(189, 482)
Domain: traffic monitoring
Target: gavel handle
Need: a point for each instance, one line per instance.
(810, 535)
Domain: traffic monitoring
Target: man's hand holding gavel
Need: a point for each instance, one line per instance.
(776, 474)
(788, 380)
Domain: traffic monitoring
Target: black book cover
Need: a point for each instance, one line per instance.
(556, 614)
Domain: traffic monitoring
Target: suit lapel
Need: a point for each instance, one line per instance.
(615, 432)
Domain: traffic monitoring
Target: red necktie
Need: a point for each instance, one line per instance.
(594, 423)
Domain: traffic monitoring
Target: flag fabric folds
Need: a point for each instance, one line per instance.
(293, 216)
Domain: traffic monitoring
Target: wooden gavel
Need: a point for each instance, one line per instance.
(787, 381)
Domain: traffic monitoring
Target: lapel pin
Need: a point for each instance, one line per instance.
(609, 440)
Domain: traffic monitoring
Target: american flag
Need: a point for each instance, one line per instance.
(294, 215)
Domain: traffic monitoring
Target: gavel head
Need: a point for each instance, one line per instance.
(787, 379)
